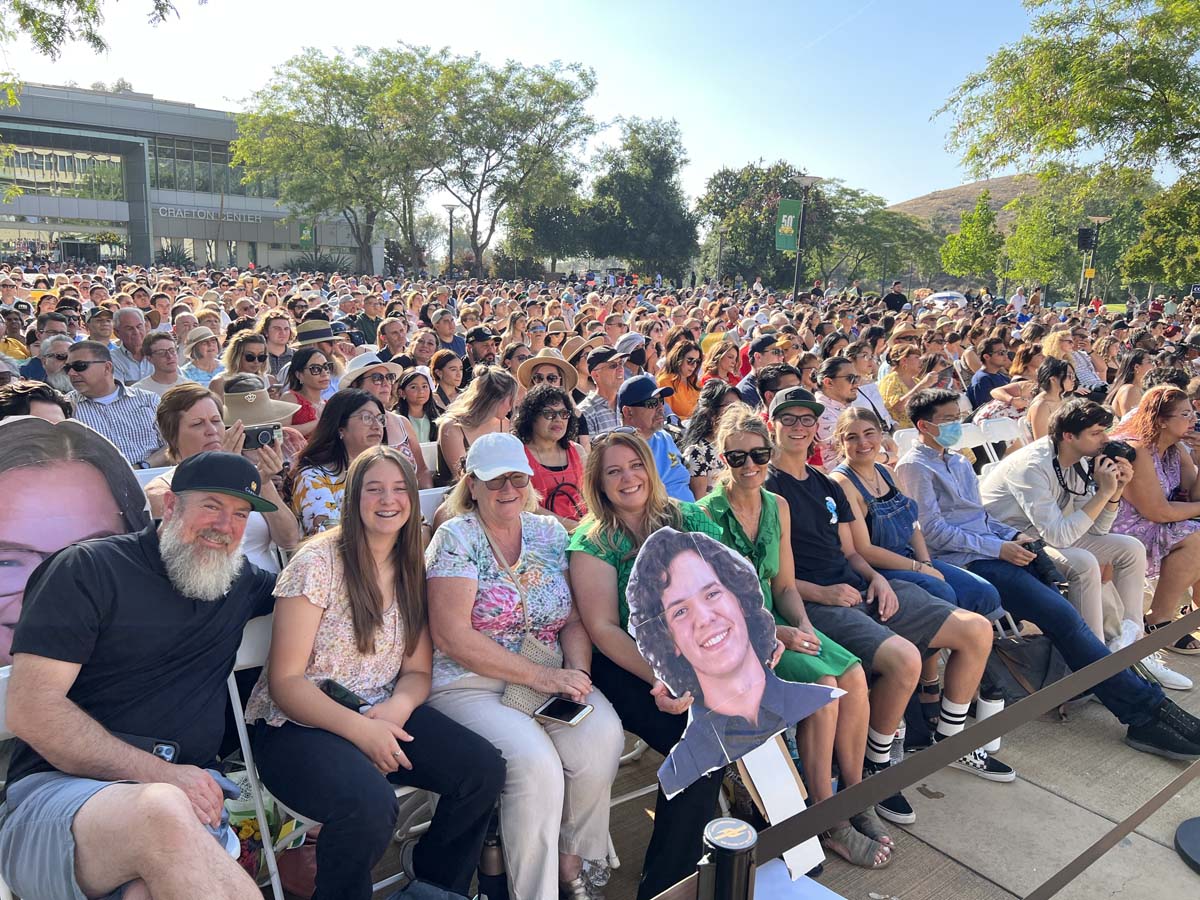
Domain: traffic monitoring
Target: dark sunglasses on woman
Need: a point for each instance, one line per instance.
(737, 458)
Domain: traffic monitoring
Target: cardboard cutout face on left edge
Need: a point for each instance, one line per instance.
(696, 612)
(60, 483)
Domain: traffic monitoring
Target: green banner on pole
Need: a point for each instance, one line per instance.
(787, 225)
(306, 237)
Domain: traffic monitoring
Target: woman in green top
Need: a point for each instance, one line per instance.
(627, 502)
(756, 523)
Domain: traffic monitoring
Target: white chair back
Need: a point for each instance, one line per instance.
(972, 436)
(431, 499)
(5, 734)
(906, 438)
(1001, 430)
(145, 476)
(256, 643)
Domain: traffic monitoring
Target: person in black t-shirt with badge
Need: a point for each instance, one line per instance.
(117, 695)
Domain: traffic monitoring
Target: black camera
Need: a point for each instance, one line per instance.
(258, 436)
(1115, 450)
(1043, 567)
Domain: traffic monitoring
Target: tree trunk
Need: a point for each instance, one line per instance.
(364, 239)
(553, 265)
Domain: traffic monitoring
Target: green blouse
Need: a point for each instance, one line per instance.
(621, 558)
(763, 551)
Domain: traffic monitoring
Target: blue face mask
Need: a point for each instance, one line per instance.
(949, 434)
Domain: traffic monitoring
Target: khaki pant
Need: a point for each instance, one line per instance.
(1081, 566)
(559, 782)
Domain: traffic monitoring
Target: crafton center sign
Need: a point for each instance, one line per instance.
(211, 215)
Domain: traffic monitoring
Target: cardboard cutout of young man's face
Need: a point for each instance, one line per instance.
(696, 612)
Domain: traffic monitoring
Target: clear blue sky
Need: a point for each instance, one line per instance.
(845, 88)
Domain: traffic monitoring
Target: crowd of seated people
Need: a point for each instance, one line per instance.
(569, 422)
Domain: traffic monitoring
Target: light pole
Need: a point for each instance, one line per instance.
(883, 272)
(1097, 221)
(805, 182)
(722, 230)
(450, 208)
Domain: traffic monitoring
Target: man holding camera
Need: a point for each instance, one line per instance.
(959, 530)
(1045, 490)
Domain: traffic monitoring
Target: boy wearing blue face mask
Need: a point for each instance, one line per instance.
(958, 530)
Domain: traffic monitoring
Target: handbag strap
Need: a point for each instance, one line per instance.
(508, 570)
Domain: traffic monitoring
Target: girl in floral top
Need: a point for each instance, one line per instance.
(494, 566)
(351, 610)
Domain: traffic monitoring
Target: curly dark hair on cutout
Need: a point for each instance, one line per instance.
(651, 577)
(538, 399)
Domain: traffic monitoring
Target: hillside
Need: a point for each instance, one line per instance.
(942, 209)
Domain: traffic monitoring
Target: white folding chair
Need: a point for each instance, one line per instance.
(905, 439)
(431, 499)
(5, 734)
(1001, 430)
(256, 640)
(145, 476)
(429, 452)
(972, 436)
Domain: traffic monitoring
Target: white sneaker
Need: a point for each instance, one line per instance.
(1168, 678)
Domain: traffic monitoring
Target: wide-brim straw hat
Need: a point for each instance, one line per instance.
(257, 408)
(547, 356)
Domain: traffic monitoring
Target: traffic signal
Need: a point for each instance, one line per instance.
(1087, 239)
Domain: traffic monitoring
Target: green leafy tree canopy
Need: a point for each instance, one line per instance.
(975, 250)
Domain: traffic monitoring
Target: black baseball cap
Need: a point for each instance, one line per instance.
(640, 388)
(601, 355)
(795, 396)
(479, 333)
(764, 343)
(216, 472)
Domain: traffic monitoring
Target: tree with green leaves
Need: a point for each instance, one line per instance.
(746, 202)
(349, 135)
(1168, 248)
(1117, 77)
(503, 129)
(638, 210)
(550, 222)
(974, 251)
(52, 24)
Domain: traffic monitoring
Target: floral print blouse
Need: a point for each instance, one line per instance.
(316, 495)
(460, 549)
(315, 572)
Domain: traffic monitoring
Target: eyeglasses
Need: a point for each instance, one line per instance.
(75, 319)
(81, 365)
(1186, 414)
(319, 369)
(61, 357)
(556, 415)
(552, 378)
(653, 403)
(516, 479)
(370, 419)
(254, 357)
(691, 361)
(788, 420)
(520, 359)
(165, 352)
(380, 378)
(737, 458)
(538, 328)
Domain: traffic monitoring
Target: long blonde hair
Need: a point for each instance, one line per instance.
(606, 527)
(359, 568)
(489, 387)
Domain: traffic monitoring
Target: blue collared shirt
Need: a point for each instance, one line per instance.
(957, 528)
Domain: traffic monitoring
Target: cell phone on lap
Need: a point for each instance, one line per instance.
(343, 695)
(562, 710)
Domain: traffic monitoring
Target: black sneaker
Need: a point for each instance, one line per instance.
(894, 808)
(977, 762)
(1178, 718)
(1159, 738)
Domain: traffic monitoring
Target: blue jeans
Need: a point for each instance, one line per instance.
(1129, 698)
(962, 588)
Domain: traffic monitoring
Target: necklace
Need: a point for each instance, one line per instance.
(748, 515)
(874, 485)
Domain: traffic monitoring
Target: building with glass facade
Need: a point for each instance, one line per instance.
(125, 175)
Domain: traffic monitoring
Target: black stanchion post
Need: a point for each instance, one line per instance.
(727, 870)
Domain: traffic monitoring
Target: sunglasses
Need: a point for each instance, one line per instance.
(548, 379)
(61, 357)
(516, 479)
(853, 379)
(556, 415)
(788, 420)
(254, 357)
(620, 429)
(737, 458)
(318, 370)
(652, 403)
(380, 378)
(81, 365)
(691, 361)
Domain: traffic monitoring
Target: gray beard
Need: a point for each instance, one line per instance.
(197, 572)
(60, 381)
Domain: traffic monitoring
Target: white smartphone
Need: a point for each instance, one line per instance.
(560, 709)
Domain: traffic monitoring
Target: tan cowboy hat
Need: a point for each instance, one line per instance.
(198, 335)
(547, 356)
(574, 346)
(257, 408)
(556, 326)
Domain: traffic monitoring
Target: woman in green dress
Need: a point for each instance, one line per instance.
(756, 523)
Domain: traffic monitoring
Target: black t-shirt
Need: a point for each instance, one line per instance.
(894, 301)
(817, 506)
(154, 662)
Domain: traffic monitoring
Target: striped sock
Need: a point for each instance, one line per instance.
(953, 717)
(879, 747)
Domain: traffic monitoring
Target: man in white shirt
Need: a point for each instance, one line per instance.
(1018, 301)
(129, 363)
(163, 354)
(837, 388)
